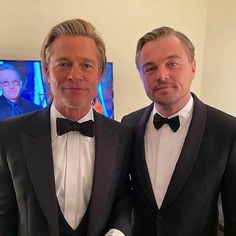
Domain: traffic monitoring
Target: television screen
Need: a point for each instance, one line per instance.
(24, 79)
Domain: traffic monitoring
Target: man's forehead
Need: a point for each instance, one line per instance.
(8, 75)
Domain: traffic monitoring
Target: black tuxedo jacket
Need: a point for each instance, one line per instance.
(28, 202)
(206, 167)
(23, 106)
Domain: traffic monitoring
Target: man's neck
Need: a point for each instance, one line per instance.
(12, 100)
(171, 109)
(73, 114)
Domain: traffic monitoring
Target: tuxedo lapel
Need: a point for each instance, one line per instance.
(139, 156)
(104, 166)
(36, 142)
(188, 154)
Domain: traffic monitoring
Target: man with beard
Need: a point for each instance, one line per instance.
(184, 152)
(64, 169)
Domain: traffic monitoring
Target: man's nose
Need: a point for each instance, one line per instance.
(76, 72)
(162, 73)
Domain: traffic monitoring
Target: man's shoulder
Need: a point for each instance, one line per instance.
(28, 105)
(23, 121)
(134, 117)
(220, 117)
(137, 112)
(101, 119)
(3, 100)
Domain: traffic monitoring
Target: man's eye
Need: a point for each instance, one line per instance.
(6, 83)
(172, 64)
(149, 69)
(63, 65)
(87, 66)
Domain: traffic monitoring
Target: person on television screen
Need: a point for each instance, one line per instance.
(184, 150)
(64, 169)
(11, 103)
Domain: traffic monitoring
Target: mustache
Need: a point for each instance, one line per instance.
(164, 84)
(74, 85)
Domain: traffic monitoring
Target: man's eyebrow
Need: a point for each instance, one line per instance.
(85, 59)
(147, 64)
(62, 59)
(82, 59)
(150, 63)
(173, 57)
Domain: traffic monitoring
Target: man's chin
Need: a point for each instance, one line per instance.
(12, 98)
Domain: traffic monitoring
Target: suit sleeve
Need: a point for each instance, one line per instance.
(228, 193)
(8, 206)
(121, 211)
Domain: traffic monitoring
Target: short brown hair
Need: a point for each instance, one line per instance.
(160, 33)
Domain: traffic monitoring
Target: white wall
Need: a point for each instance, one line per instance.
(219, 83)
(24, 24)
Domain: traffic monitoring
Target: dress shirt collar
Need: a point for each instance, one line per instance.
(54, 113)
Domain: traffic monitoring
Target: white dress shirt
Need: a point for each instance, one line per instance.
(73, 161)
(162, 149)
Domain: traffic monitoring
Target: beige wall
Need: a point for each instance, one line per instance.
(219, 73)
(24, 24)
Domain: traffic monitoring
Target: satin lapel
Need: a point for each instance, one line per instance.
(36, 143)
(105, 150)
(139, 157)
(188, 154)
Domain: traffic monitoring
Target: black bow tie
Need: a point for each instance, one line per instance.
(65, 126)
(158, 121)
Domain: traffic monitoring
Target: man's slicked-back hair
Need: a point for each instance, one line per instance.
(74, 27)
(160, 33)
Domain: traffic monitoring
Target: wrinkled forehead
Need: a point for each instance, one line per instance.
(8, 75)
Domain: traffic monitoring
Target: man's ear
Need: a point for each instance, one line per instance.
(194, 66)
(100, 76)
(45, 71)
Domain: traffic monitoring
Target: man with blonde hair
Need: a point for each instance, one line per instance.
(64, 169)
